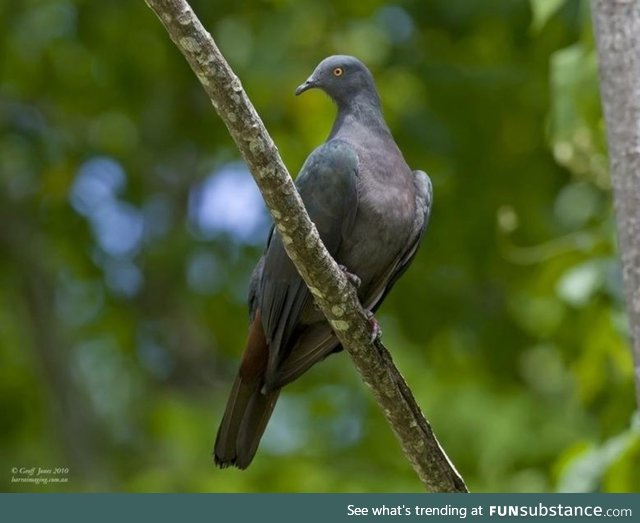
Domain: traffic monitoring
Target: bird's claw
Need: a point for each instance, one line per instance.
(376, 331)
(352, 278)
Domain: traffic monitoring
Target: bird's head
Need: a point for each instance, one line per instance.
(344, 78)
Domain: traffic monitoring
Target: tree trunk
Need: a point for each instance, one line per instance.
(617, 29)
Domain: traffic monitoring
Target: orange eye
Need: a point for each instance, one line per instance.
(338, 71)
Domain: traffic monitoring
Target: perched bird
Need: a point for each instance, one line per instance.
(371, 211)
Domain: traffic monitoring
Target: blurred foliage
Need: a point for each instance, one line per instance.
(129, 228)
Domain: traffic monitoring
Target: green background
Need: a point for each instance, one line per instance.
(129, 227)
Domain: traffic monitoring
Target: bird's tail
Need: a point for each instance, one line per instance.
(244, 422)
(249, 407)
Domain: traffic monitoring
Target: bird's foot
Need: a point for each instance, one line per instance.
(376, 331)
(352, 278)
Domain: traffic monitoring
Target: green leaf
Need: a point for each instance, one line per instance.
(542, 11)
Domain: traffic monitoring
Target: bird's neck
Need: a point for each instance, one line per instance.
(359, 111)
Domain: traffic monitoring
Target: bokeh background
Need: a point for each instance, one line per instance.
(129, 226)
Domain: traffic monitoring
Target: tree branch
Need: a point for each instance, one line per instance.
(335, 296)
(617, 29)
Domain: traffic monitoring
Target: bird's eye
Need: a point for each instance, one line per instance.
(338, 71)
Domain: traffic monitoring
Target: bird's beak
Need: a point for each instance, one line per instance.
(310, 83)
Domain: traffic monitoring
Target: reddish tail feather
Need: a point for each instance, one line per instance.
(248, 408)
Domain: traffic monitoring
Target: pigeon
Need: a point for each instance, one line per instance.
(371, 211)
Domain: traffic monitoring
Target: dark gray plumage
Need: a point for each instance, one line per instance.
(371, 211)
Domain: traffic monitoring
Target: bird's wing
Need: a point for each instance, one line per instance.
(317, 341)
(424, 201)
(327, 185)
(254, 283)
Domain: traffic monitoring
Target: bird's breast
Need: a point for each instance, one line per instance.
(383, 222)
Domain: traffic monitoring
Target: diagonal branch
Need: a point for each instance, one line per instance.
(335, 296)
